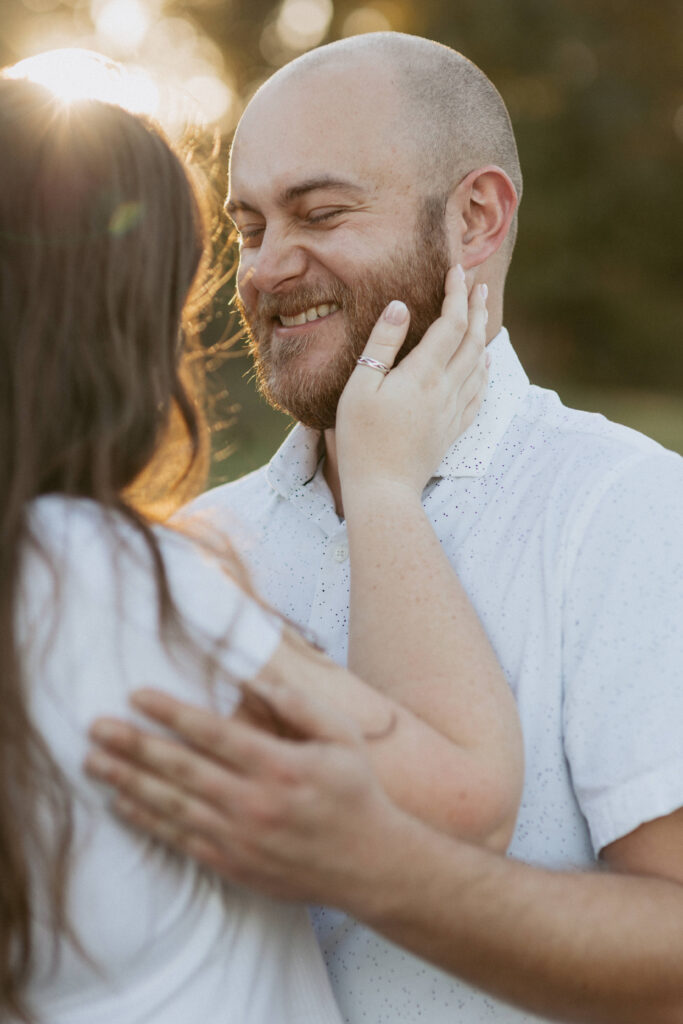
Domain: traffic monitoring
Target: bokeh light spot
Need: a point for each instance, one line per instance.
(365, 19)
(304, 23)
(123, 23)
(213, 96)
(139, 92)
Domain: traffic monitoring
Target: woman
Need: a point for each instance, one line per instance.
(103, 274)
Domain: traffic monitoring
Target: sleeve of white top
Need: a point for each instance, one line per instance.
(105, 639)
(214, 606)
(623, 652)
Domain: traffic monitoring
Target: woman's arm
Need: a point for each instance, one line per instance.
(413, 633)
(426, 771)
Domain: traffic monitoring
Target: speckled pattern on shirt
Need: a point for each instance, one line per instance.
(566, 531)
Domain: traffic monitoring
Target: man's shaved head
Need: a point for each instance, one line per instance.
(447, 110)
(359, 173)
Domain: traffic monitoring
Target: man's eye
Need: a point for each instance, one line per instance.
(318, 216)
(249, 236)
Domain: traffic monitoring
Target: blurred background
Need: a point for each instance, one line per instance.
(595, 91)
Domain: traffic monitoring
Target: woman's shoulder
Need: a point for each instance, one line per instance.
(106, 576)
(64, 529)
(82, 539)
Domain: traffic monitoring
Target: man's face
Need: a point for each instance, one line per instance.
(330, 233)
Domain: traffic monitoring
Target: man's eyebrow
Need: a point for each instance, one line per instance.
(288, 195)
(235, 205)
(325, 181)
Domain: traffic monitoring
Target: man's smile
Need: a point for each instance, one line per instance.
(309, 315)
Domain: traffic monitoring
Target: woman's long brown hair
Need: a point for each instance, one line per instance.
(102, 236)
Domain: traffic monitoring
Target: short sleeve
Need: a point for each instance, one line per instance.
(216, 608)
(623, 651)
(98, 636)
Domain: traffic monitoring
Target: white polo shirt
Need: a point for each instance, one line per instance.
(567, 533)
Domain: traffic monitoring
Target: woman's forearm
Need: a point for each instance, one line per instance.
(414, 635)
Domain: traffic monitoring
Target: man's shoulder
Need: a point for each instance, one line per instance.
(567, 466)
(583, 468)
(586, 442)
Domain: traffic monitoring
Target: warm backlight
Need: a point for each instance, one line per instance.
(75, 74)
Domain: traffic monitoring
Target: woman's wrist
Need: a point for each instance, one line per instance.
(379, 493)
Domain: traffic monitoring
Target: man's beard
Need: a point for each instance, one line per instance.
(416, 276)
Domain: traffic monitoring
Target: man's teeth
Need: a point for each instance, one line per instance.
(314, 313)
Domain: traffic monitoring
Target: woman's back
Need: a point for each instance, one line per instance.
(168, 942)
(104, 278)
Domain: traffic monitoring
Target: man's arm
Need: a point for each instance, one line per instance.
(595, 947)
(308, 820)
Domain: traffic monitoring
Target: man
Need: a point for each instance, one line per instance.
(359, 172)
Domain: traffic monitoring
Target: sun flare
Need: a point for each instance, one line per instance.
(73, 74)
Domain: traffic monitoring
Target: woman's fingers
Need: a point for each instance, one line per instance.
(450, 329)
(477, 316)
(461, 326)
(468, 354)
(470, 398)
(383, 345)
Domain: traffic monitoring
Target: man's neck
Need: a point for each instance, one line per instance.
(331, 470)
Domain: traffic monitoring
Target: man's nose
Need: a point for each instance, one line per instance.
(276, 263)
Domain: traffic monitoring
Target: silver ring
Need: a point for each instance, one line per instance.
(374, 364)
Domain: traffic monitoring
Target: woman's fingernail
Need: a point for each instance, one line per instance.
(484, 288)
(396, 312)
(459, 271)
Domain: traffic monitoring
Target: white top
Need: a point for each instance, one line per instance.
(566, 531)
(171, 944)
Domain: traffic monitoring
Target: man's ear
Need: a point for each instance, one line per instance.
(479, 213)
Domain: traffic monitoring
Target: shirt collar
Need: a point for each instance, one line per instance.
(296, 462)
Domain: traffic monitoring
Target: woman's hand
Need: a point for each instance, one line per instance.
(397, 428)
